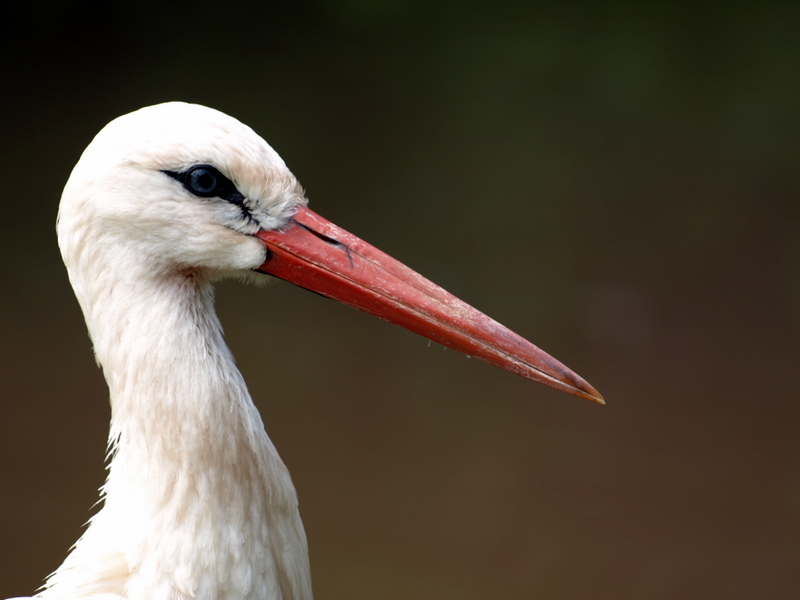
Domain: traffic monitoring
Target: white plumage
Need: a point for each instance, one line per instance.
(198, 504)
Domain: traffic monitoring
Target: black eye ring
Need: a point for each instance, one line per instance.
(205, 181)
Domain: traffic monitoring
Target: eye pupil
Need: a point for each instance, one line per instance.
(202, 181)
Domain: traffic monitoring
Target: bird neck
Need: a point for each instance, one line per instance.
(176, 394)
(197, 500)
(180, 408)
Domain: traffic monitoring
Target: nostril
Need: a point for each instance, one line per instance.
(322, 236)
(328, 240)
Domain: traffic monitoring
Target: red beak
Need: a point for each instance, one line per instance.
(319, 256)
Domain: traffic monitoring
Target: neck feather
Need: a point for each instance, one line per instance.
(197, 502)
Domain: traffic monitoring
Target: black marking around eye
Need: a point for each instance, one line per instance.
(206, 181)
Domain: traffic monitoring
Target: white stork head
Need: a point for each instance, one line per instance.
(175, 186)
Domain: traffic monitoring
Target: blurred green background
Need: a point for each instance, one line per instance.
(618, 182)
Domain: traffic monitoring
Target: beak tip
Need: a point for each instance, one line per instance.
(592, 394)
(568, 381)
(587, 391)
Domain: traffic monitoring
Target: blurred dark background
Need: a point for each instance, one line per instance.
(619, 182)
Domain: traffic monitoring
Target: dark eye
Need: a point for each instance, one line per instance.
(205, 181)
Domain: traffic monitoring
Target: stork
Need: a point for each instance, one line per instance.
(164, 202)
